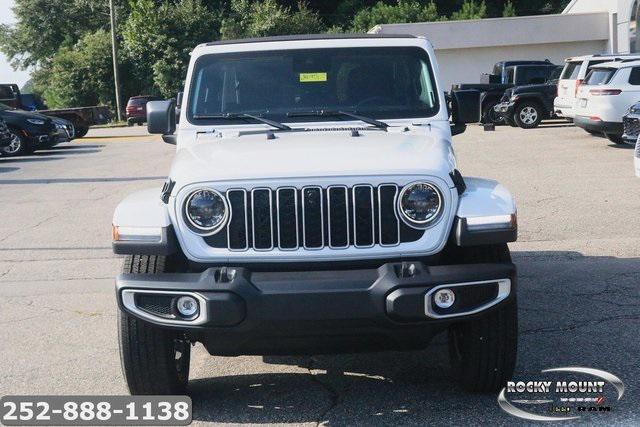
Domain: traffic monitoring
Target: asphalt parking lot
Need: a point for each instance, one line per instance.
(578, 256)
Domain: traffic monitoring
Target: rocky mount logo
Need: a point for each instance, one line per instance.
(561, 400)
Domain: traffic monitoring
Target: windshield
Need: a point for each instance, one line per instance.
(377, 82)
(599, 76)
(571, 71)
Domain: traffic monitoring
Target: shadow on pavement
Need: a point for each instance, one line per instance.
(5, 170)
(574, 310)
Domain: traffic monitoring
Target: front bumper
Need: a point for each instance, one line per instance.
(245, 312)
(563, 108)
(593, 125)
(505, 110)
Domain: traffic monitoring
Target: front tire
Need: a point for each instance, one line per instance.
(528, 115)
(483, 351)
(154, 360)
(489, 115)
(19, 145)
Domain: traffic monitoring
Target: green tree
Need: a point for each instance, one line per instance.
(509, 9)
(470, 10)
(268, 18)
(82, 75)
(402, 11)
(159, 37)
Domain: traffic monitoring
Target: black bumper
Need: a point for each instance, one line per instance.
(309, 312)
(592, 125)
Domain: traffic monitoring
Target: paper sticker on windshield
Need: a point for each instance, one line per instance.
(313, 77)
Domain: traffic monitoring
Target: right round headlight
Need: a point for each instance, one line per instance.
(206, 211)
(420, 204)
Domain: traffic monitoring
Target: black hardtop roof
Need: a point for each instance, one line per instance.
(297, 37)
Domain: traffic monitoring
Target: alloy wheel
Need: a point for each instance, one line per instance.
(528, 115)
(14, 146)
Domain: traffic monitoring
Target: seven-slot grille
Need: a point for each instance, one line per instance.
(313, 217)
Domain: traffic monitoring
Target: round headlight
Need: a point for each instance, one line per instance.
(419, 204)
(206, 211)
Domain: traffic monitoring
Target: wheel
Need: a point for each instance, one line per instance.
(489, 115)
(81, 131)
(154, 360)
(616, 139)
(18, 146)
(129, 122)
(528, 115)
(483, 351)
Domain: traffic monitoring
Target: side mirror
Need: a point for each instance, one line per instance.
(465, 106)
(161, 117)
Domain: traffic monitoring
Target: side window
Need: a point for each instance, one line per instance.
(634, 77)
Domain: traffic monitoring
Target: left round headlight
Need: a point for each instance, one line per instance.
(206, 211)
(420, 204)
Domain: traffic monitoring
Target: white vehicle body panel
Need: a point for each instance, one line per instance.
(142, 209)
(610, 108)
(485, 197)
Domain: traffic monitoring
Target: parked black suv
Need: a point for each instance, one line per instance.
(30, 131)
(526, 106)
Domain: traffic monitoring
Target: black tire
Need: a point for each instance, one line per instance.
(81, 131)
(528, 115)
(19, 145)
(483, 351)
(129, 122)
(154, 360)
(616, 139)
(489, 115)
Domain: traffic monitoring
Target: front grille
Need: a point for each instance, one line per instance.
(312, 218)
(160, 305)
(631, 127)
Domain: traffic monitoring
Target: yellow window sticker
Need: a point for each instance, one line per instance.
(313, 77)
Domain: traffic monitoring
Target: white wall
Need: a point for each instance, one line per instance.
(466, 65)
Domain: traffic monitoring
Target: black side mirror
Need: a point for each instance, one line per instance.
(161, 117)
(465, 108)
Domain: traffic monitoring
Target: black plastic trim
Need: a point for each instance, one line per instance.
(463, 237)
(167, 246)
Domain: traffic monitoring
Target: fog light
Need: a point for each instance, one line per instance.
(444, 298)
(187, 306)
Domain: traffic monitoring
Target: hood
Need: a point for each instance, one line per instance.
(225, 157)
(23, 114)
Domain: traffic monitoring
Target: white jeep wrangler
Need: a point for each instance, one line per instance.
(314, 206)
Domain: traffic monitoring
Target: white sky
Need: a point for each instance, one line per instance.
(7, 74)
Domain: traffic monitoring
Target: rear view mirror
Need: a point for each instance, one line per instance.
(161, 117)
(179, 99)
(465, 106)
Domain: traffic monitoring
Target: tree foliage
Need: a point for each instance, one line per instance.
(268, 18)
(402, 11)
(67, 46)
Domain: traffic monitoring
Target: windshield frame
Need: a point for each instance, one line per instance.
(420, 53)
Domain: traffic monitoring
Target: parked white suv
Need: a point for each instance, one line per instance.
(572, 77)
(605, 97)
(314, 206)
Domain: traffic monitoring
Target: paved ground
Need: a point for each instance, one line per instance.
(578, 257)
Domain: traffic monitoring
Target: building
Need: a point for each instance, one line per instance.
(465, 49)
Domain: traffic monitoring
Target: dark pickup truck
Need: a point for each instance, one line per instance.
(506, 74)
(526, 106)
(81, 117)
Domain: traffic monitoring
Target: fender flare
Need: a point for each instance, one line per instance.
(142, 225)
(486, 214)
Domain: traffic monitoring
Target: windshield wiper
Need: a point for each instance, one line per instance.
(329, 113)
(233, 116)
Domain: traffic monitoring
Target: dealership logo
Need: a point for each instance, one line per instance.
(561, 400)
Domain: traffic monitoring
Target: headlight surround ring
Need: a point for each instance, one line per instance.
(412, 220)
(201, 229)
